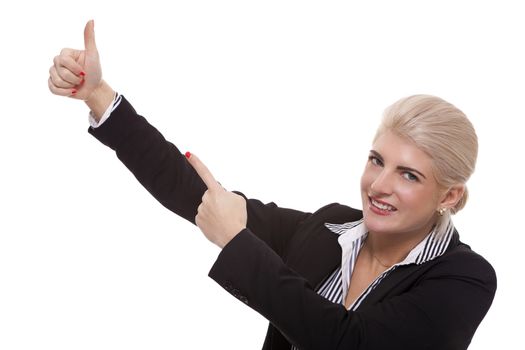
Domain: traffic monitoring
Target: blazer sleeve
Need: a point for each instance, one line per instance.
(167, 175)
(441, 312)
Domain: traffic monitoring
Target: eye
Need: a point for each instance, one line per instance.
(374, 160)
(410, 177)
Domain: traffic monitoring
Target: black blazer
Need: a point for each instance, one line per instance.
(277, 262)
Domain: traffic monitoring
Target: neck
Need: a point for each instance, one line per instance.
(390, 249)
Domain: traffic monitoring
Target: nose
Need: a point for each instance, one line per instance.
(382, 184)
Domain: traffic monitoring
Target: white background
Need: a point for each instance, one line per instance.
(280, 99)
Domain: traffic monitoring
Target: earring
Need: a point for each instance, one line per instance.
(442, 211)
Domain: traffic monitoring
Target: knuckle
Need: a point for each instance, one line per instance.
(54, 89)
(58, 82)
(50, 85)
(62, 72)
(200, 209)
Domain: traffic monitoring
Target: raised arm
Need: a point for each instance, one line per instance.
(156, 163)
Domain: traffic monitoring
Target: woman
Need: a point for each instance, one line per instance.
(392, 276)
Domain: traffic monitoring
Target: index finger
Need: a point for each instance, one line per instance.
(203, 171)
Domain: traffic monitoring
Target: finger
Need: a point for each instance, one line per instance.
(203, 171)
(71, 52)
(58, 81)
(200, 215)
(60, 91)
(89, 36)
(68, 68)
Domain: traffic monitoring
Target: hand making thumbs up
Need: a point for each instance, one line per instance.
(77, 73)
(222, 214)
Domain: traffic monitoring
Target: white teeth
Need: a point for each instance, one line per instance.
(383, 206)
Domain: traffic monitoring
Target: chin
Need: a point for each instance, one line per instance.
(377, 228)
(379, 224)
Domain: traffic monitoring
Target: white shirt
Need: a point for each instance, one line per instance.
(107, 113)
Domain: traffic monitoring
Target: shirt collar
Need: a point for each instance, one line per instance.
(353, 234)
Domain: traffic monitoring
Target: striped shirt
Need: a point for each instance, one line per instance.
(352, 236)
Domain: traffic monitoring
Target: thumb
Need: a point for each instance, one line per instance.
(89, 37)
(203, 171)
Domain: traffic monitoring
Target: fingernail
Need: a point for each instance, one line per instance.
(188, 155)
(82, 73)
(74, 91)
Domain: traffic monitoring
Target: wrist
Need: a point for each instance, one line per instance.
(229, 237)
(100, 99)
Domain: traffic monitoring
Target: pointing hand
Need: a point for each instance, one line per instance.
(222, 214)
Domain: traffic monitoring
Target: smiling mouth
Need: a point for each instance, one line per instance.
(381, 206)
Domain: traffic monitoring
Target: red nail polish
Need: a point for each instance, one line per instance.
(82, 74)
(188, 155)
(74, 91)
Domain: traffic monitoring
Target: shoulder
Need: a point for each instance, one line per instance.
(464, 263)
(337, 213)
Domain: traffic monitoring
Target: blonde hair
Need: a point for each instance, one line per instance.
(443, 132)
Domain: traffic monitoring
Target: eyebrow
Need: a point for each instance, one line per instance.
(400, 167)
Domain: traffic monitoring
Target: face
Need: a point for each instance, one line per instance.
(399, 192)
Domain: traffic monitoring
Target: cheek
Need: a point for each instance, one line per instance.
(416, 197)
(408, 195)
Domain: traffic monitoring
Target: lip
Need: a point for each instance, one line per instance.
(379, 211)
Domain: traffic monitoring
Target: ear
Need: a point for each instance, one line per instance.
(452, 196)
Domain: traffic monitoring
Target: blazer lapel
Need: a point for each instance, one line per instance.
(314, 255)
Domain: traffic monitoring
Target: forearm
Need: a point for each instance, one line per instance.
(258, 277)
(156, 163)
